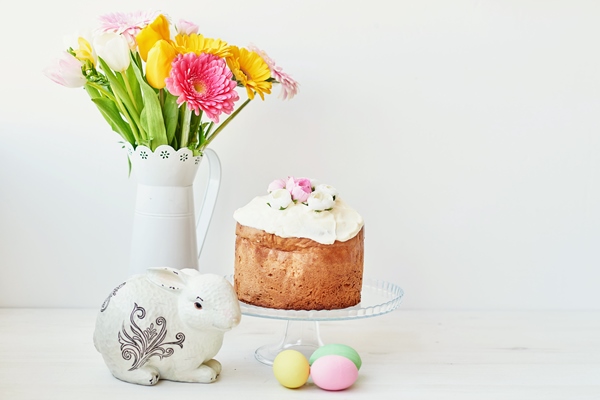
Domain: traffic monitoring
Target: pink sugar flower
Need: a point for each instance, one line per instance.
(276, 184)
(289, 87)
(127, 24)
(300, 188)
(204, 82)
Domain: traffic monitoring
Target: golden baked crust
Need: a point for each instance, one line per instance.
(297, 273)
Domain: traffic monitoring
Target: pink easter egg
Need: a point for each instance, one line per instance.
(333, 372)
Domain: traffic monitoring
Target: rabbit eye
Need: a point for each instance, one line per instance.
(198, 305)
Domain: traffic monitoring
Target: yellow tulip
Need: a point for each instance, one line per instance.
(158, 65)
(147, 38)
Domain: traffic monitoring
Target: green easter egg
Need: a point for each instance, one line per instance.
(338, 350)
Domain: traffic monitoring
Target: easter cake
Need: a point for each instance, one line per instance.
(300, 247)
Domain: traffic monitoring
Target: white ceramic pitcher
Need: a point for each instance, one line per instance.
(165, 230)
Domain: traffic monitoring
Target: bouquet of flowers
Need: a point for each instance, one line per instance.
(158, 83)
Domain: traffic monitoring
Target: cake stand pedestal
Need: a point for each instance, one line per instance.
(302, 336)
(302, 327)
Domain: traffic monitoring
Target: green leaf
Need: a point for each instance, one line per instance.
(135, 86)
(171, 115)
(137, 59)
(151, 117)
(111, 114)
(93, 92)
(116, 84)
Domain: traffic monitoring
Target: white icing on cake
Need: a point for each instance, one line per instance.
(341, 223)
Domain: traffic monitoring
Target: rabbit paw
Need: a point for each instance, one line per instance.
(148, 376)
(215, 365)
(202, 374)
(206, 374)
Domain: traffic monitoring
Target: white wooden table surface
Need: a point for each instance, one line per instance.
(48, 354)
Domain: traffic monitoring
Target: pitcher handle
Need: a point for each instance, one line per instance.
(210, 197)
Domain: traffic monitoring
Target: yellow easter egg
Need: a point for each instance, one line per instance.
(291, 368)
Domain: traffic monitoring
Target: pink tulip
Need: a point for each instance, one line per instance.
(66, 71)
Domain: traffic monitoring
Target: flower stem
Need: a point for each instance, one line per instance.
(129, 92)
(132, 124)
(185, 127)
(121, 108)
(101, 89)
(224, 123)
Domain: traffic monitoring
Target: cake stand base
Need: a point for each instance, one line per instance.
(302, 328)
(302, 336)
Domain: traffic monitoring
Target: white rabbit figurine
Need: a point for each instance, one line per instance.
(166, 323)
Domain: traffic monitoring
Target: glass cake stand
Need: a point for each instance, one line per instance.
(302, 328)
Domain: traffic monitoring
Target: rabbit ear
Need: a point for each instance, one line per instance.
(167, 278)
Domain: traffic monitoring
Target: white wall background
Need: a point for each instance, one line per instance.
(465, 132)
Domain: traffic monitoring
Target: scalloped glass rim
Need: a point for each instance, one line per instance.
(377, 298)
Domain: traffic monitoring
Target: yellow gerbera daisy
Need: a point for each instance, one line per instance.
(196, 43)
(251, 71)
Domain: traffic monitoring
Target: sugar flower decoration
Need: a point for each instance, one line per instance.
(301, 191)
(320, 201)
(280, 199)
(327, 189)
(276, 184)
(299, 188)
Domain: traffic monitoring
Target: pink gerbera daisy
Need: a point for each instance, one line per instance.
(127, 24)
(204, 82)
(289, 87)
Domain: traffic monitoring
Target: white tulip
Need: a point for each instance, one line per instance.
(114, 50)
(280, 199)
